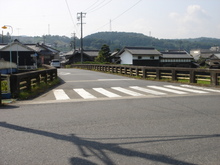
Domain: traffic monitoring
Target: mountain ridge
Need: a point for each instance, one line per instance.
(118, 40)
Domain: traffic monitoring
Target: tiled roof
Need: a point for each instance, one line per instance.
(140, 51)
(178, 54)
(92, 53)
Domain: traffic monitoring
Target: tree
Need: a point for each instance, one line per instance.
(104, 54)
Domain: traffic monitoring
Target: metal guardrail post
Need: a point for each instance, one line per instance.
(158, 74)
(214, 78)
(174, 77)
(192, 77)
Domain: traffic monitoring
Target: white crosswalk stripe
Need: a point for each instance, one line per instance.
(106, 92)
(60, 94)
(185, 89)
(126, 91)
(132, 91)
(84, 94)
(147, 90)
(201, 88)
(167, 90)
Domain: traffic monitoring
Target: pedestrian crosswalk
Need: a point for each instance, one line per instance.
(131, 91)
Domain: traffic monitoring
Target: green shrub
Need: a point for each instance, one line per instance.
(4, 86)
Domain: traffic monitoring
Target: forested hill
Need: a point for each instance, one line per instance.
(120, 39)
(117, 40)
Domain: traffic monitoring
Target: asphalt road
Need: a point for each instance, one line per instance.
(176, 129)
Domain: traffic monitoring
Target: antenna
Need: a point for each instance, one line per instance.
(48, 29)
(110, 25)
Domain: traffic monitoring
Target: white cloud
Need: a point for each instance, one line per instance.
(194, 22)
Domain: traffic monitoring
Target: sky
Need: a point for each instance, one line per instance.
(163, 19)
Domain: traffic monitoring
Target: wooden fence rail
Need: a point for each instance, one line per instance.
(190, 75)
(26, 81)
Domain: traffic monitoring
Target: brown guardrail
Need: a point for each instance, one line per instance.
(27, 80)
(190, 75)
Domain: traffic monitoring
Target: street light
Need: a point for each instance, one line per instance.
(6, 27)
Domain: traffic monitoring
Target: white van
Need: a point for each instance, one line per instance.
(55, 63)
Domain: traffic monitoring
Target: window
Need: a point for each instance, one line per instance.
(152, 57)
(139, 57)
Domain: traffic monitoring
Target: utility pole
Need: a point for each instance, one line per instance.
(73, 43)
(80, 17)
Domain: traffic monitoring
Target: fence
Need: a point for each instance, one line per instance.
(190, 75)
(28, 80)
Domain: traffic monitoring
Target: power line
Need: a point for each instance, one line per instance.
(91, 5)
(99, 7)
(71, 17)
(120, 14)
(126, 10)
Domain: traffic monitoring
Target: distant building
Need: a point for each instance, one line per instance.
(141, 56)
(75, 56)
(207, 57)
(27, 55)
(176, 58)
(201, 54)
(45, 52)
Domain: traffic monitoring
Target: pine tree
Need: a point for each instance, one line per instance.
(104, 54)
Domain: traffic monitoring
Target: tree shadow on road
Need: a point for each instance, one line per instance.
(91, 147)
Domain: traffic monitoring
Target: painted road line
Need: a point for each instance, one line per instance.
(147, 90)
(201, 88)
(105, 92)
(130, 79)
(126, 91)
(63, 73)
(60, 94)
(84, 94)
(185, 89)
(167, 90)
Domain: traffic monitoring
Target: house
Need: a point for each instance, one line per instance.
(214, 61)
(27, 55)
(176, 58)
(75, 56)
(141, 56)
(18, 53)
(202, 54)
(115, 57)
(208, 57)
(45, 52)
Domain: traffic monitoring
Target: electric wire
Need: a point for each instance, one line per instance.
(71, 17)
(126, 10)
(91, 6)
(120, 15)
(99, 7)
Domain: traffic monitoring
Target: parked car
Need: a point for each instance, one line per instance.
(55, 63)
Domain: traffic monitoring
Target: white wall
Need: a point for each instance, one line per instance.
(126, 58)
